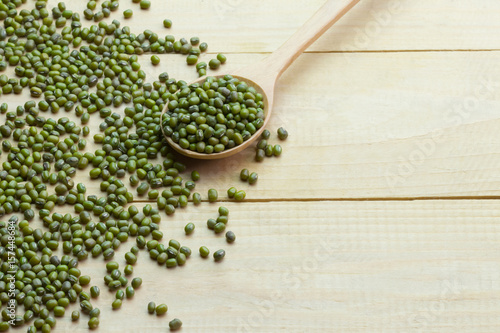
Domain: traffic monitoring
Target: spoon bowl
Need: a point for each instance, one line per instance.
(236, 149)
(263, 75)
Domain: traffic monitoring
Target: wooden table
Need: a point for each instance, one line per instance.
(382, 214)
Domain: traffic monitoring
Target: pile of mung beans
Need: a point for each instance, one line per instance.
(89, 69)
(216, 115)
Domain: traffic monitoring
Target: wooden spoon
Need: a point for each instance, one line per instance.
(264, 74)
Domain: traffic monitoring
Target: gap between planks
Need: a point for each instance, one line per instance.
(357, 51)
(451, 198)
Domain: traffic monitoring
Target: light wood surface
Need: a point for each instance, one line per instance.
(411, 266)
(357, 226)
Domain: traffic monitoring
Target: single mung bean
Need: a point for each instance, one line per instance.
(161, 309)
(191, 59)
(155, 60)
(223, 211)
(167, 23)
(231, 192)
(120, 294)
(240, 195)
(136, 282)
(219, 227)
(211, 224)
(194, 41)
(222, 58)
(212, 195)
(204, 251)
(269, 150)
(171, 263)
(185, 250)
(219, 255)
(230, 237)
(59, 311)
(214, 64)
(130, 258)
(189, 228)
(244, 174)
(128, 13)
(84, 280)
(93, 323)
(145, 4)
(117, 303)
(75, 315)
(175, 324)
(195, 175)
(252, 179)
(151, 307)
(282, 133)
(128, 270)
(95, 313)
(111, 266)
(95, 291)
(260, 155)
(129, 292)
(196, 198)
(277, 150)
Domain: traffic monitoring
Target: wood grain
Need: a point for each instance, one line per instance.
(238, 26)
(424, 266)
(398, 125)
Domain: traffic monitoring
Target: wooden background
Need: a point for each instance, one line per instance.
(382, 214)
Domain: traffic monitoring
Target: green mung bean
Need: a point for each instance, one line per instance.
(219, 227)
(219, 255)
(189, 228)
(175, 324)
(240, 195)
(161, 309)
(252, 179)
(128, 13)
(214, 63)
(117, 303)
(231, 192)
(151, 307)
(167, 23)
(230, 237)
(222, 58)
(75, 315)
(93, 323)
(277, 150)
(128, 270)
(212, 195)
(95, 291)
(211, 223)
(244, 174)
(260, 155)
(129, 292)
(282, 133)
(223, 211)
(155, 60)
(196, 198)
(136, 282)
(204, 251)
(145, 4)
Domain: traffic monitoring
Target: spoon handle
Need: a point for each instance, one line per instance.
(273, 66)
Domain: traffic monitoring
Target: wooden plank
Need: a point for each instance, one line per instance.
(400, 125)
(388, 125)
(424, 266)
(263, 25)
